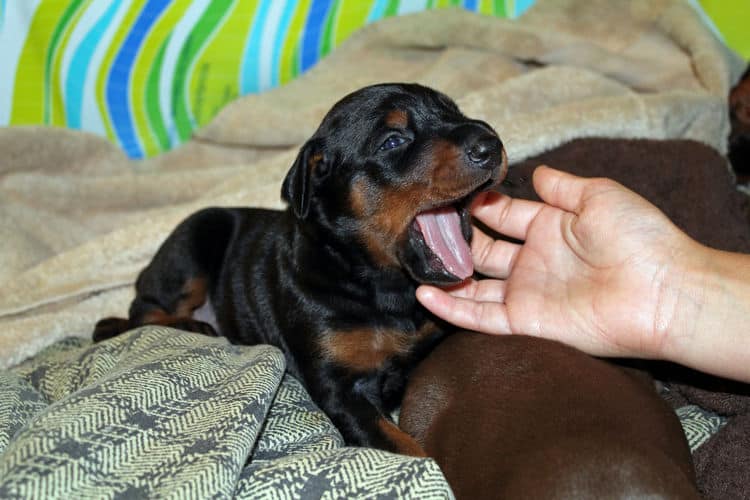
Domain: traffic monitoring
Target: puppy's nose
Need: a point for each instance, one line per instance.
(481, 150)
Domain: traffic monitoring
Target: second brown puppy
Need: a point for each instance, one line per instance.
(524, 417)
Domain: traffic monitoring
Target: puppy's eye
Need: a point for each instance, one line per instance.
(392, 142)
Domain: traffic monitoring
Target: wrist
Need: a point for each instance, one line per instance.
(681, 303)
(712, 301)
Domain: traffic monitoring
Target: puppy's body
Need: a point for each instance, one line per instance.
(344, 330)
(378, 203)
(525, 417)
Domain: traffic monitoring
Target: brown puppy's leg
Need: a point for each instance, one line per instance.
(524, 417)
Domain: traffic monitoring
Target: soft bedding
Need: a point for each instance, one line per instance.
(163, 413)
(78, 220)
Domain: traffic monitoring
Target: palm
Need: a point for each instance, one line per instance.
(589, 272)
(566, 286)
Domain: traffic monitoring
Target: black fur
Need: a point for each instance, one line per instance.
(331, 280)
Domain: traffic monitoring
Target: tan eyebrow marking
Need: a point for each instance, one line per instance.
(397, 119)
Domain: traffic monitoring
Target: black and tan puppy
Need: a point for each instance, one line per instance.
(378, 203)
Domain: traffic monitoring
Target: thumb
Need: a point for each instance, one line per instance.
(560, 189)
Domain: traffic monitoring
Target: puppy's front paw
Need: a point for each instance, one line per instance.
(191, 325)
(109, 327)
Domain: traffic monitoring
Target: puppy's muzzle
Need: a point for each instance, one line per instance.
(483, 151)
(482, 148)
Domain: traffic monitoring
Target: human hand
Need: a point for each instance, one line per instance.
(599, 268)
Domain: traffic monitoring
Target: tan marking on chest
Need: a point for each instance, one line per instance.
(366, 349)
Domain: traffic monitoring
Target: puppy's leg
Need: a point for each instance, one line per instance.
(178, 279)
(360, 421)
(362, 424)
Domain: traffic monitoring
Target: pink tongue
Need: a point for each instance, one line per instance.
(441, 229)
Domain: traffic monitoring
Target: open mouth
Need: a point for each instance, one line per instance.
(437, 246)
(442, 236)
(446, 233)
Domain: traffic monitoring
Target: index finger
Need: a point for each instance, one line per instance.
(508, 216)
(492, 257)
(486, 317)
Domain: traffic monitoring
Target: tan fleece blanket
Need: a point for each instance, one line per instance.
(78, 220)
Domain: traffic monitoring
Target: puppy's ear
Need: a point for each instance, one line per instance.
(298, 184)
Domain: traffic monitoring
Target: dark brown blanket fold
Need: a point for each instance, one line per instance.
(690, 182)
(722, 463)
(693, 185)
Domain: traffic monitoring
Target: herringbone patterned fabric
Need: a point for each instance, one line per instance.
(699, 424)
(162, 413)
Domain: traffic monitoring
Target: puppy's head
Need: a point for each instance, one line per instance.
(391, 172)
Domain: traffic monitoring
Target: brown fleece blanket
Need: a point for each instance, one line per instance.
(78, 220)
(690, 183)
(722, 462)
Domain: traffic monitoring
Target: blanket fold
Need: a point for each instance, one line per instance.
(162, 413)
(78, 219)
